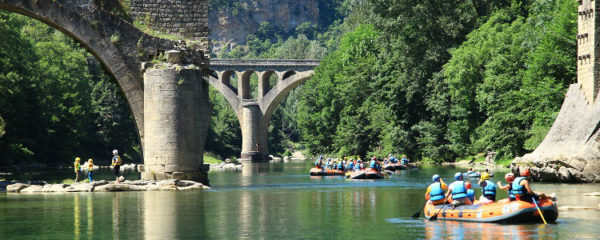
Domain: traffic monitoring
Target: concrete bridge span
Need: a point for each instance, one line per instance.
(254, 115)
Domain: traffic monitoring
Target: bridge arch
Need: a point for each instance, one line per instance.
(93, 29)
(254, 114)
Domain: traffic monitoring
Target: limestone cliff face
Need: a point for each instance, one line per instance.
(570, 151)
(231, 26)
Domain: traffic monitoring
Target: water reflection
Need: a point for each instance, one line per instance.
(252, 169)
(115, 215)
(485, 231)
(77, 222)
(90, 216)
(160, 215)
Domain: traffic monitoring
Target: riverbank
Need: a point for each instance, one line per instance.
(101, 186)
(477, 166)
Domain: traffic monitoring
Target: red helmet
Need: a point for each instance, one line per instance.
(525, 172)
(509, 177)
(468, 185)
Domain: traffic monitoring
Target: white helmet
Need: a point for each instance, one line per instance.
(115, 152)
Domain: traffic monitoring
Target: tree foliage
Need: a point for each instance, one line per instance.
(449, 79)
(56, 100)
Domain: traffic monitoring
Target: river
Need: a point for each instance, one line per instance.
(278, 201)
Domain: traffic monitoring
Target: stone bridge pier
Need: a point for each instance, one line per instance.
(177, 115)
(254, 114)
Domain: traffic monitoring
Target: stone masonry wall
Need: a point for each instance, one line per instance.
(587, 51)
(185, 18)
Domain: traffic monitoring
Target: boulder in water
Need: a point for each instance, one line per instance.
(17, 187)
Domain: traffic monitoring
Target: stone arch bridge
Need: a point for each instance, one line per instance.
(254, 115)
(168, 96)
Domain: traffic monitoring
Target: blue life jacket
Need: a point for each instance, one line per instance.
(350, 165)
(471, 194)
(459, 191)
(511, 195)
(436, 192)
(404, 161)
(517, 189)
(357, 167)
(489, 189)
(340, 166)
(372, 164)
(393, 160)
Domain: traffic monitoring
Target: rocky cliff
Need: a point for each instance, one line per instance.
(570, 151)
(230, 25)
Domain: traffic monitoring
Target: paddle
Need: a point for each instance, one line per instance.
(418, 213)
(434, 217)
(538, 208)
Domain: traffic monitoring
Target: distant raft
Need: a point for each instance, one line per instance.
(368, 173)
(394, 166)
(509, 212)
(329, 172)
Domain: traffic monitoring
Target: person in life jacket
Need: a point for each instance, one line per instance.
(357, 165)
(340, 166)
(435, 191)
(522, 190)
(509, 177)
(470, 192)
(458, 191)
(77, 168)
(350, 165)
(116, 164)
(319, 161)
(373, 163)
(404, 160)
(90, 168)
(328, 164)
(488, 189)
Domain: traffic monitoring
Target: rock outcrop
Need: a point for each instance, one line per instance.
(106, 186)
(233, 25)
(570, 151)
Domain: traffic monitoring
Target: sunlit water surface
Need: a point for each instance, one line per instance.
(277, 201)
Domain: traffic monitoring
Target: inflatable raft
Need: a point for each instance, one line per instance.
(509, 212)
(394, 166)
(366, 174)
(330, 172)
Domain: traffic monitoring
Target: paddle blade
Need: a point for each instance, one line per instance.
(433, 218)
(417, 214)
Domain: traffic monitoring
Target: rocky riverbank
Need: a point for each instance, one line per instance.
(224, 166)
(477, 166)
(103, 186)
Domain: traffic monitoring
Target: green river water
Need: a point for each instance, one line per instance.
(277, 201)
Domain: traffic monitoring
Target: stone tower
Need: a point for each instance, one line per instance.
(587, 50)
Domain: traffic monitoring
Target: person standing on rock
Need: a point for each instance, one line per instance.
(90, 165)
(116, 164)
(77, 168)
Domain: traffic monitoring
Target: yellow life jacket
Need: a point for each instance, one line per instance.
(90, 167)
(116, 160)
(77, 166)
